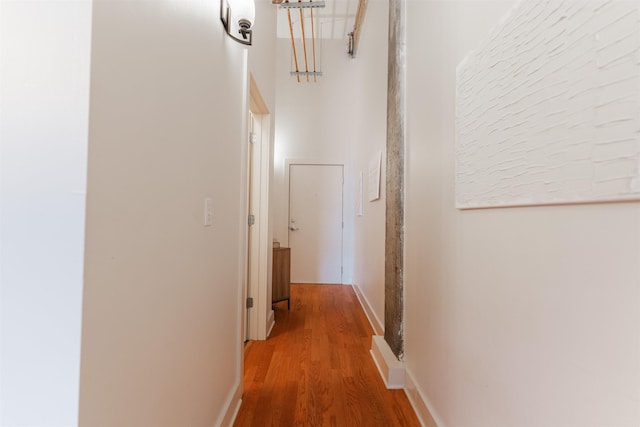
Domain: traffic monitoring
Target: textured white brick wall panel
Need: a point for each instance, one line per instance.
(548, 108)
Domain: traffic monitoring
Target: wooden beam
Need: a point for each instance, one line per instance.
(293, 42)
(394, 232)
(357, 28)
(304, 43)
(313, 42)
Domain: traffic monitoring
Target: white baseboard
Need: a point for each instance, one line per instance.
(232, 406)
(377, 326)
(421, 405)
(271, 321)
(390, 368)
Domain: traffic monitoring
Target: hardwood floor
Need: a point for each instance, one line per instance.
(315, 369)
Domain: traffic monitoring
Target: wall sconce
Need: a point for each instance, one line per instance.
(237, 17)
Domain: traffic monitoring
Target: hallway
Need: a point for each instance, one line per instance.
(315, 369)
(125, 146)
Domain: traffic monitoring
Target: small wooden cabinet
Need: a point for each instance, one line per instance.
(281, 289)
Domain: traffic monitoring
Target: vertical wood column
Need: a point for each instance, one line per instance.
(394, 239)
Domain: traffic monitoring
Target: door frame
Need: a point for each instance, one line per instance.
(259, 318)
(307, 162)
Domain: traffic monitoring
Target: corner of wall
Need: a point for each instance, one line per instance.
(271, 321)
(232, 406)
(420, 403)
(378, 327)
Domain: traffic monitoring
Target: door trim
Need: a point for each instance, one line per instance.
(260, 321)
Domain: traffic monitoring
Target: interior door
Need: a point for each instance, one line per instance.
(315, 223)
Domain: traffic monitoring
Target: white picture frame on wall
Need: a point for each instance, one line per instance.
(375, 166)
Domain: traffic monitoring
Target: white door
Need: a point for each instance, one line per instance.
(315, 223)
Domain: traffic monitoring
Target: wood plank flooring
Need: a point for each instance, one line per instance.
(315, 369)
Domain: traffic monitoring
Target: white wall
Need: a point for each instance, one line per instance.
(161, 341)
(517, 316)
(317, 122)
(371, 63)
(44, 105)
(262, 55)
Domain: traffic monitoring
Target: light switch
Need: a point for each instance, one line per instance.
(208, 211)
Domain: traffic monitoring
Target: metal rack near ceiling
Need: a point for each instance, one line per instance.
(310, 70)
(308, 23)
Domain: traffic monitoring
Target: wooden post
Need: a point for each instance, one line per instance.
(394, 239)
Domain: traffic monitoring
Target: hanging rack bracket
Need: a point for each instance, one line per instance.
(302, 5)
(306, 73)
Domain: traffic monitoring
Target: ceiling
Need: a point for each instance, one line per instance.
(334, 21)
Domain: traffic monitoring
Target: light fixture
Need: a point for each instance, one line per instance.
(237, 17)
